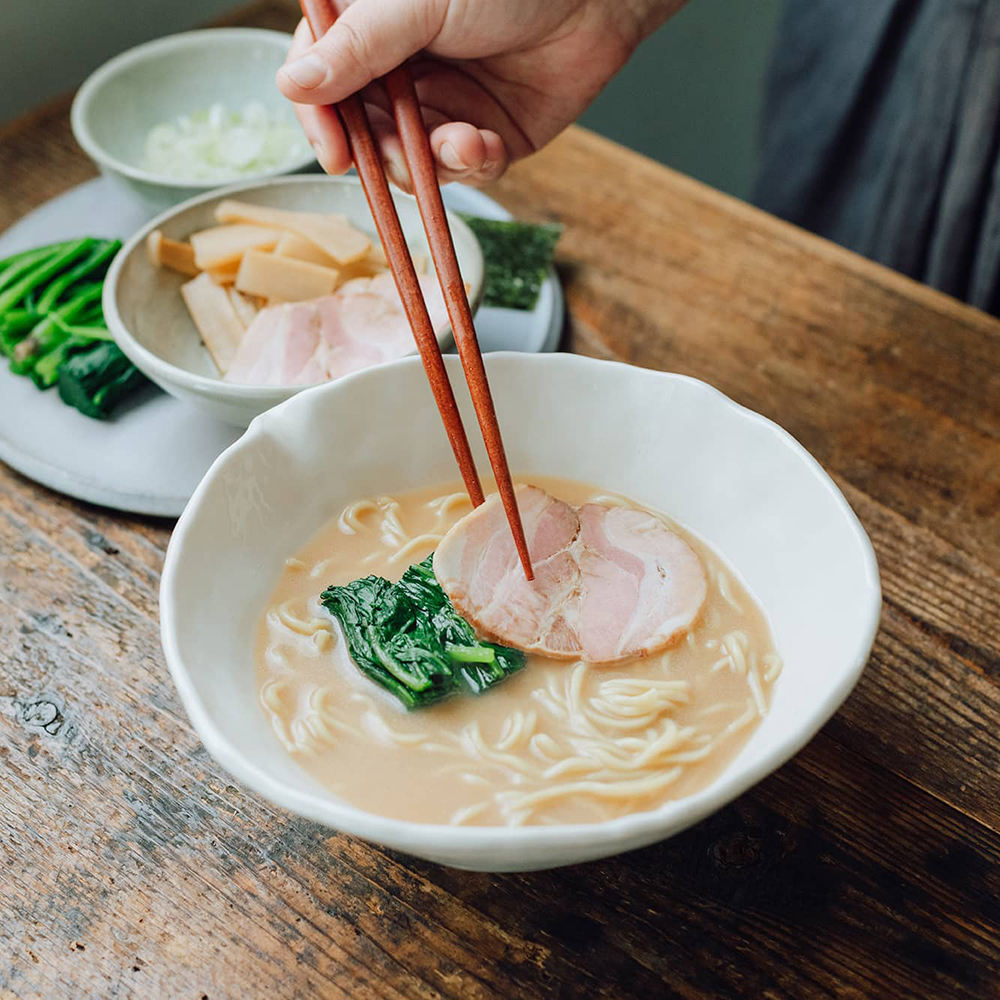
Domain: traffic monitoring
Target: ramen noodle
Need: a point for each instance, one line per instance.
(558, 742)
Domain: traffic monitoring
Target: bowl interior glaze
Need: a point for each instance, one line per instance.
(668, 441)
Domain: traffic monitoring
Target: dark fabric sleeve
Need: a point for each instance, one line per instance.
(880, 132)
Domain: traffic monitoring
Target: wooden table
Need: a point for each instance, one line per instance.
(865, 867)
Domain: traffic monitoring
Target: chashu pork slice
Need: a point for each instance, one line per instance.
(361, 324)
(610, 583)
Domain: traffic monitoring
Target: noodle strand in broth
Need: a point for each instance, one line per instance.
(557, 742)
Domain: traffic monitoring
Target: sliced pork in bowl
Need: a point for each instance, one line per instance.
(611, 582)
(238, 299)
(359, 325)
(356, 643)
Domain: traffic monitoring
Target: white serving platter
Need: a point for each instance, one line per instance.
(150, 457)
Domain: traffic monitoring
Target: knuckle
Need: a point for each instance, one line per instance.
(354, 45)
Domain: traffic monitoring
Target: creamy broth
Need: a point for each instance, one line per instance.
(558, 742)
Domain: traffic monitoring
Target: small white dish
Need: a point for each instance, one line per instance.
(157, 82)
(670, 442)
(148, 459)
(150, 323)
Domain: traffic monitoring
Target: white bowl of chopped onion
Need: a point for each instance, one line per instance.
(191, 112)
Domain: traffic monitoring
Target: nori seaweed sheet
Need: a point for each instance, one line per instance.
(517, 256)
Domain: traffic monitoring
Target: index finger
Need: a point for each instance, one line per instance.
(321, 124)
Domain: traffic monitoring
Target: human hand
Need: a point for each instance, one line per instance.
(495, 81)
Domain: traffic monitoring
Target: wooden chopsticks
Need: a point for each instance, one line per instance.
(420, 162)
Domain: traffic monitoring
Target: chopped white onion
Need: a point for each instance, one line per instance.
(218, 144)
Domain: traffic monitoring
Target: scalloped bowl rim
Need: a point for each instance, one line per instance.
(436, 840)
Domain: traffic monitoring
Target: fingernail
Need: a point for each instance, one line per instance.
(317, 148)
(308, 72)
(450, 158)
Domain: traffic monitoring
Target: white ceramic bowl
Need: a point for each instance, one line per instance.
(154, 83)
(671, 442)
(150, 323)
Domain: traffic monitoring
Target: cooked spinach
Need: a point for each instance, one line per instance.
(517, 257)
(52, 326)
(97, 378)
(409, 639)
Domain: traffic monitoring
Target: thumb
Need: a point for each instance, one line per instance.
(370, 38)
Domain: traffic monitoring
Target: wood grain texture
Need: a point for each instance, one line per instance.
(867, 866)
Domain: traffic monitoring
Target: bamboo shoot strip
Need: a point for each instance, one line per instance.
(174, 254)
(215, 316)
(221, 245)
(333, 234)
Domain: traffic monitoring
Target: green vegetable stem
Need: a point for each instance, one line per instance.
(15, 325)
(46, 269)
(16, 267)
(47, 335)
(93, 266)
(52, 325)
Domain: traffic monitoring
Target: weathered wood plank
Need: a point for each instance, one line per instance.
(952, 595)
(830, 849)
(895, 387)
(868, 866)
(144, 796)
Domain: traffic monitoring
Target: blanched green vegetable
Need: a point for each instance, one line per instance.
(45, 372)
(409, 639)
(15, 325)
(93, 267)
(88, 328)
(47, 268)
(517, 257)
(96, 379)
(52, 325)
(19, 264)
(47, 334)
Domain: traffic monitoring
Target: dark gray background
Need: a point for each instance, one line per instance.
(690, 97)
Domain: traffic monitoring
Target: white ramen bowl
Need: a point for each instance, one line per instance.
(150, 323)
(670, 442)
